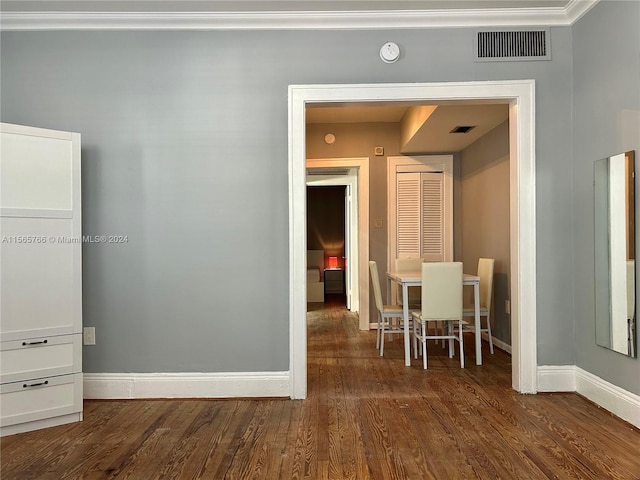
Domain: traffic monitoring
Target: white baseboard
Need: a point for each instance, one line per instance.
(186, 385)
(570, 378)
(557, 378)
(618, 401)
(550, 378)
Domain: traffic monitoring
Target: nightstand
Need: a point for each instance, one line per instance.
(333, 280)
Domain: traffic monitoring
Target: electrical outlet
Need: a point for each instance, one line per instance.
(89, 334)
(507, 307)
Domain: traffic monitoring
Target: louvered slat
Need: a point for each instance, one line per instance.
(408, 215)
(432, 217)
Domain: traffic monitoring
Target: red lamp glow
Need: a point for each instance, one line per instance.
(333, 262)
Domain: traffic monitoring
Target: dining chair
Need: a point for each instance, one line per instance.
(386, 313)
(485, 272)
(441, 301)
(413, 265)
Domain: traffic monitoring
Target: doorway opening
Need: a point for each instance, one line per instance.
(332, 226)
(519, 95)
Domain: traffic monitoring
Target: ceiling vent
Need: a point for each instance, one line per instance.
(328, 171)
(462, 129)
(512, 45)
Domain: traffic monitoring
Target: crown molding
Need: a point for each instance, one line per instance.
(577, 8)
(298, 20)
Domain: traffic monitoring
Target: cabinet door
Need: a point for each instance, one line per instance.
(40, 225)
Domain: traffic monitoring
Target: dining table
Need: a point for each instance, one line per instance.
(414, 279)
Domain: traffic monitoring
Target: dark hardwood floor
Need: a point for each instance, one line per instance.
(365, 417)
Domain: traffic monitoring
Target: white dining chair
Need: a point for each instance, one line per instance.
(386, 313)
(485, 272)
(414, 293)
(441, 301)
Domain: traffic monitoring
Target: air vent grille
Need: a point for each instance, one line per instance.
(512, 45)
(328, 171)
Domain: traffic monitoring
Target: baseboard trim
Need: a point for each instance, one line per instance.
(570, 378)
(556, 378)
(618, 401)
(186, 385)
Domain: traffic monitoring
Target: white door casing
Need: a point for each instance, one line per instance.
(520, 95)
(360, 225)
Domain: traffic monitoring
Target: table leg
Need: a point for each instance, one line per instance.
(405, 311)
(478, 333)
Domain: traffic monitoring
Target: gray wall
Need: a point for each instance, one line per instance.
(606, 111)
(185, 151)
(484, 221)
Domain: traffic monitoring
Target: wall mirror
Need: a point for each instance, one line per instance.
(615, 279)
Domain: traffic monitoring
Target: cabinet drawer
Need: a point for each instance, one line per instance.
(40, 357)
(40, 398)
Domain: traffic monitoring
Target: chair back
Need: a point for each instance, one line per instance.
(485, 272)
(375, 282)
(409, 265)
(442, 290)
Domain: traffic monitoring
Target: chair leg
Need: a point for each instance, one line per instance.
(461, 340)
(416, 338)
(378, 333)
(450, 333)
(489, 333)
(424, 345)
(382, 338)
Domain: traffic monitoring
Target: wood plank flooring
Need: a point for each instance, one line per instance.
(365, 417)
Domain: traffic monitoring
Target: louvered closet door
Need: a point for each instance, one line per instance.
(420, 216)
(408, 215)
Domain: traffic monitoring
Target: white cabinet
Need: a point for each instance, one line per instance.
(40, 279)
